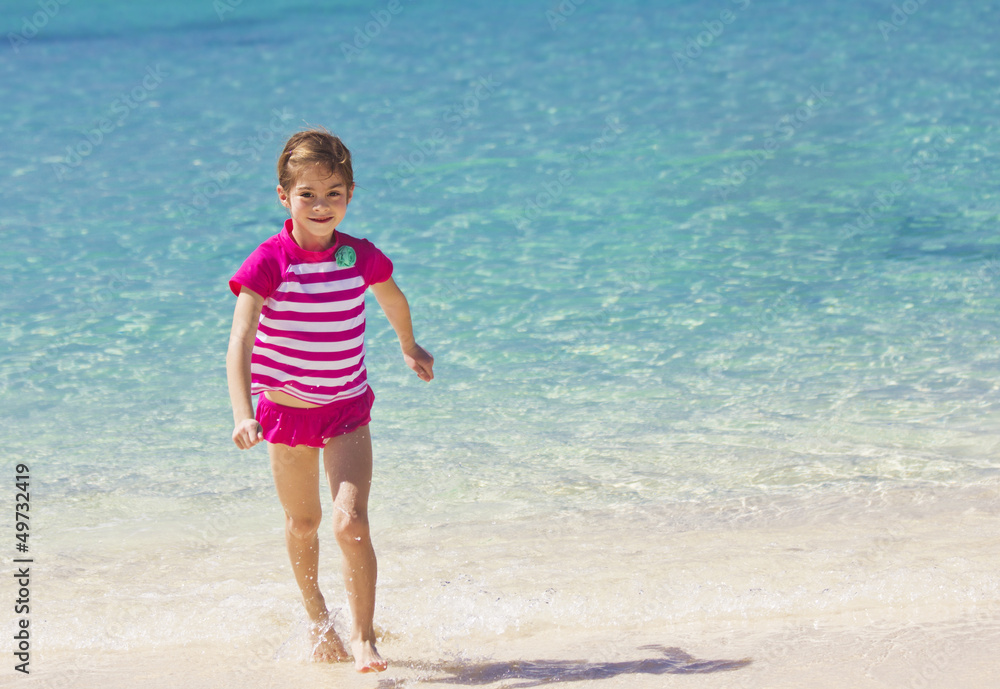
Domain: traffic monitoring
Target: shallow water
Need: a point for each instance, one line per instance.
(716, 331)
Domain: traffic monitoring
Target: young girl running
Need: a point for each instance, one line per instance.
(298, 342)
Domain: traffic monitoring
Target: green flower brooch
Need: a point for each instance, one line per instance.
(345, 257)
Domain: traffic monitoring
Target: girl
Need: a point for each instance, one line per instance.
(298, 342)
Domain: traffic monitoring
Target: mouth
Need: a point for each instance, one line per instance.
(321, 220)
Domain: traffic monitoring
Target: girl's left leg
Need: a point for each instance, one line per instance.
(348, 462)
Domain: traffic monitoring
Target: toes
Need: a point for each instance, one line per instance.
(373, 667)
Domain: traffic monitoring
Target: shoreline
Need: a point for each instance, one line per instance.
(793, 653)
(810, 590)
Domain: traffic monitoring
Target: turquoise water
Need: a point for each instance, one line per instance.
(667, 256)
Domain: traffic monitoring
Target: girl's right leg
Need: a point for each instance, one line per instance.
(296, 477)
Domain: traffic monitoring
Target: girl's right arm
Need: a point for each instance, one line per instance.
(247, 432)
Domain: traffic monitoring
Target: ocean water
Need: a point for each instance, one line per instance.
(712, 290)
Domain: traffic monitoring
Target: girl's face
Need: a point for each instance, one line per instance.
(317, 202)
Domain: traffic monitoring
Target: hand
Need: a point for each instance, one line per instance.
(420, 360)
(247, 434)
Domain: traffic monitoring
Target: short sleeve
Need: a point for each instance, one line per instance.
(260, 272)
(376, 266)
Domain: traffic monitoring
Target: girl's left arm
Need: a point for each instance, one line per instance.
(397, 310)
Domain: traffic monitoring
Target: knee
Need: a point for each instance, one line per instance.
(350, 527)
(302, 527)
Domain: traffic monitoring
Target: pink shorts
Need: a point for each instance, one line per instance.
(316, 425)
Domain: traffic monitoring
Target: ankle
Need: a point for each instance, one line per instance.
(365, 637)
(319, 615)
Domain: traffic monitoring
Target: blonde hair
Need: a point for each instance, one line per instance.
(314, 147)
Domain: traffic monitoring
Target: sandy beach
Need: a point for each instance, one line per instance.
(899, 594)
(941, 655)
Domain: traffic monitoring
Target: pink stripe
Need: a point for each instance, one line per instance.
(304, 372)
(313, 337)
(323, 297)
(319, 357)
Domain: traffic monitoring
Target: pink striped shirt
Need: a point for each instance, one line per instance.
(311, 334)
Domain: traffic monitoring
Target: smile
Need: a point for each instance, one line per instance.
(322, 220)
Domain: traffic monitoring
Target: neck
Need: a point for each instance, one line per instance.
(312, 243)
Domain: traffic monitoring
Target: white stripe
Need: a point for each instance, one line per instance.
(310, 268)
(313, 307)
(284, 377)
(308, 364)
(303, 346)
(292, 327)
(321, 287)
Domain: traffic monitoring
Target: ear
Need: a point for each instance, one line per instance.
(283, 197)
(350, 194)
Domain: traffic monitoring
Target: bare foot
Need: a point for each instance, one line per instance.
(366, 658)
(327, 646)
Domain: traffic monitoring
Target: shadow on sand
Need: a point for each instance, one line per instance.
(531, 673)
